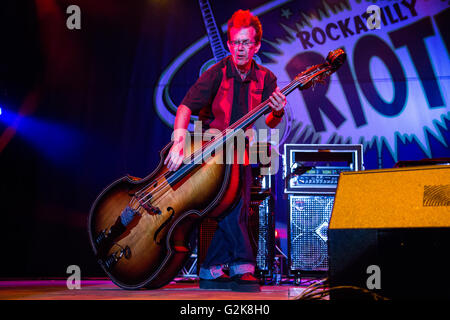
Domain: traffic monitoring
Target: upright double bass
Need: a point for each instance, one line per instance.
(139, 229)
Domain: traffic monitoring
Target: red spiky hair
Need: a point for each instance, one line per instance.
(245, 19)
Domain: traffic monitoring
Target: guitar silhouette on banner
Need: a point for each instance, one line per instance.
(215, 41)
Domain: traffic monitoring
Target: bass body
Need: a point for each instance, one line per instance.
(152, 248)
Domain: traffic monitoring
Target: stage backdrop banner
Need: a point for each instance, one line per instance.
(392, 93)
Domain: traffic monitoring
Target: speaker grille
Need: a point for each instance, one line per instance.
(261, 232)
(309, 217)
(206, 232)
(436, 196)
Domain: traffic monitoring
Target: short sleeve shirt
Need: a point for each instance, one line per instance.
(220, 97)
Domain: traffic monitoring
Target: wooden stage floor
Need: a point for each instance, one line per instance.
(104, 289)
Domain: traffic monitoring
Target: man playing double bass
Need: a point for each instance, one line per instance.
(221, 96)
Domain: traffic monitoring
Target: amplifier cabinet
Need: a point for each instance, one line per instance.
(308, 232)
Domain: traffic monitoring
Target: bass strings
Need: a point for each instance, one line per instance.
(213, 144)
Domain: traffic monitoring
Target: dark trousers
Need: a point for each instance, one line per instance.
(231, 244)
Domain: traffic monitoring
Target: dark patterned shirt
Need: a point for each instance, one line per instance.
(220, 97)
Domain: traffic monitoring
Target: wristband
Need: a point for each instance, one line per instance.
(278, 114)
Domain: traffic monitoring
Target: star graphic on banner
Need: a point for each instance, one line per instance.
(286, 13)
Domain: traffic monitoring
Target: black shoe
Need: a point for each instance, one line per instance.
(245, 283)
(221, 283)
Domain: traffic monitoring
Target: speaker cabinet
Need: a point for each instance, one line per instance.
(206, 232)
(308, 236)
(389, 233)
(261, 231)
